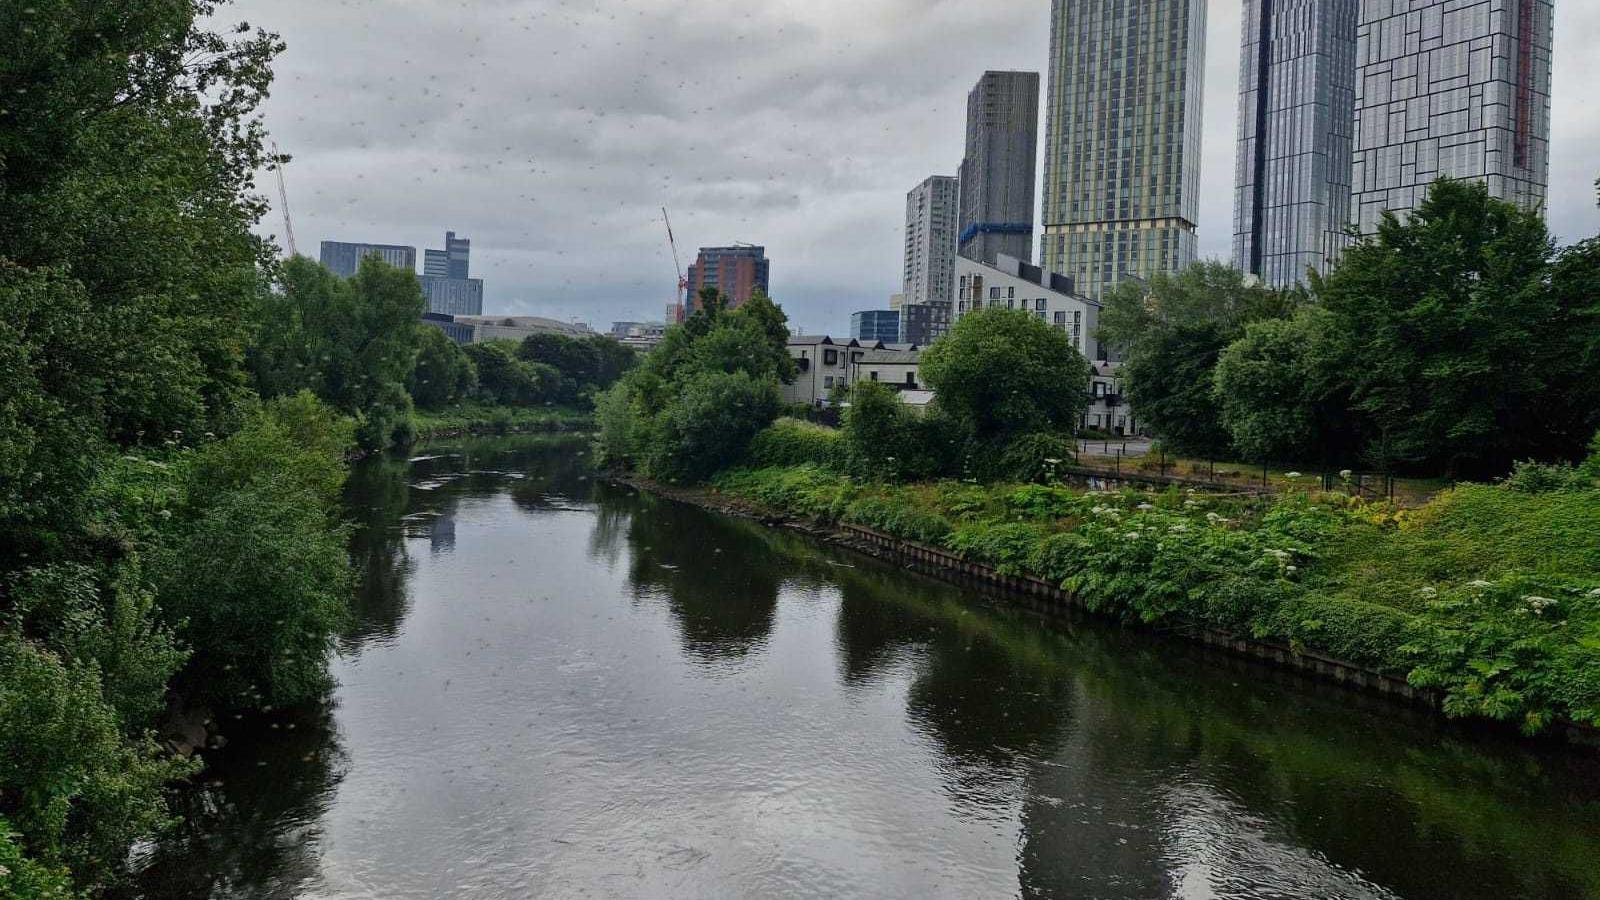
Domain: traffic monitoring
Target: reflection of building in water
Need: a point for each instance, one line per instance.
(442, 534)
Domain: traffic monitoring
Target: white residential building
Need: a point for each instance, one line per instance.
(823, 364)
(932, 210)
(1013, 284)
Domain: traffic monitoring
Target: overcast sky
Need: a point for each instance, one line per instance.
(551, 132)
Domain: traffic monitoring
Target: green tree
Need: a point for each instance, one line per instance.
(1455, 345)
(1171, 331)
(444, 374)
(353, 343)
(876, 432)
(1279, 394)
(710, 422)
(1002, 373)
(504, 378)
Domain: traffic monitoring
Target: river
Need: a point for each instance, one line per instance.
(555, 687)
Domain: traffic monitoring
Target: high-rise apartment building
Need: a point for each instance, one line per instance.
(1122, 139)
(932, 208)
(343, 258)
(737, 272)
(997, 174)
(1297, 95)
(1450, 88)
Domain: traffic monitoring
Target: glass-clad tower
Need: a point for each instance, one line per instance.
(1122, 139)
(1450, 88)
(1297, 95)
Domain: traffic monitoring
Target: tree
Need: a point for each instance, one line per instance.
(443, 374)
(1279, 394)
(1456, 348)
(352, 342)
(710, 422)
(505, 379)
(1002, 373)
(1171, 333)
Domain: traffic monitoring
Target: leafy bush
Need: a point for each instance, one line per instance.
(1507, 650)
(791, 442)
(1542, 478)
(709, 424)
(254, 574)
(1038, 457)
(898, 519)
(71, 782)
(22, 878)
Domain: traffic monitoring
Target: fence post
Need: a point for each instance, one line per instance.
(1119, 460)
(1263, 474)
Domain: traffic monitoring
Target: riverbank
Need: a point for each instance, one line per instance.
(484, 418)
(1267, 578)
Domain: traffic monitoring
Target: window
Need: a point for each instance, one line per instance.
(827, 381)
(994, 293)
(911, 378)
(1039, 304)
(874, 374)
(1011, 292)
(830, 357)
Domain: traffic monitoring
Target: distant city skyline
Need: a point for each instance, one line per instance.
(796, 126)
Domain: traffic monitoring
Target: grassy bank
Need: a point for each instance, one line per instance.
(1491, 594)
(477, 416)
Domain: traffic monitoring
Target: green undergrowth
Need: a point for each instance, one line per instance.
(488, 417)
(1489, 594)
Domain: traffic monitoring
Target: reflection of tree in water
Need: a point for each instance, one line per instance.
(1235, 778)
(252, 825)
(376, 499)
(719, 578)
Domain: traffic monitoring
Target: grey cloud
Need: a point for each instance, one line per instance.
(551, 132)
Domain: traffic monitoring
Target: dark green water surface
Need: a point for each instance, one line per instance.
(558, 688)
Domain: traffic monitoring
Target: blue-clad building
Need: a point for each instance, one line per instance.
(876, 325)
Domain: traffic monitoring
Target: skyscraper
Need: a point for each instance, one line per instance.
(454, 261)
(997, 174)
(1449, 88)
(932, 208)
(737, 272)
(343, 258)
(1297, 94)
(1122, 138)
(447, 282)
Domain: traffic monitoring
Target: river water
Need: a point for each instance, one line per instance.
(560, 688)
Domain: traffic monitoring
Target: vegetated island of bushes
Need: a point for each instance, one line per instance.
(1489, 594)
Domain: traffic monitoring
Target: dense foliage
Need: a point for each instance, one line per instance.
(1003, 373)
(1454, 342)
(699, 399)
(1491, 594)
(159, 524)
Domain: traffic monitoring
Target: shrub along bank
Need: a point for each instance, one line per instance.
(1491, 594)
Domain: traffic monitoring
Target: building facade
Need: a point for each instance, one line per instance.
(516, 328)
(823, 365)
(932, 210)
(876, 325)
(343, 258)
(1297, 96)
(453, 296)
(460, 332)
(924, 323)
(1014, 284)
(1450, 88)
(737, 272)
(998, 171)
(1122, 139)
(454, 261)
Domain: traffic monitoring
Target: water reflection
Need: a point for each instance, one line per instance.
(561, 688)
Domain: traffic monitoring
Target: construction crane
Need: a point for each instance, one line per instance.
(283, 202)
(683, 283)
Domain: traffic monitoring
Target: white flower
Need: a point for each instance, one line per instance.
(1346, 474)
(1146, 506)
(1595, 592)
(1292, 475)
(1539, 604)
(1428, 592)
(1292, 569)
(1480, 584)
(1053, 462)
